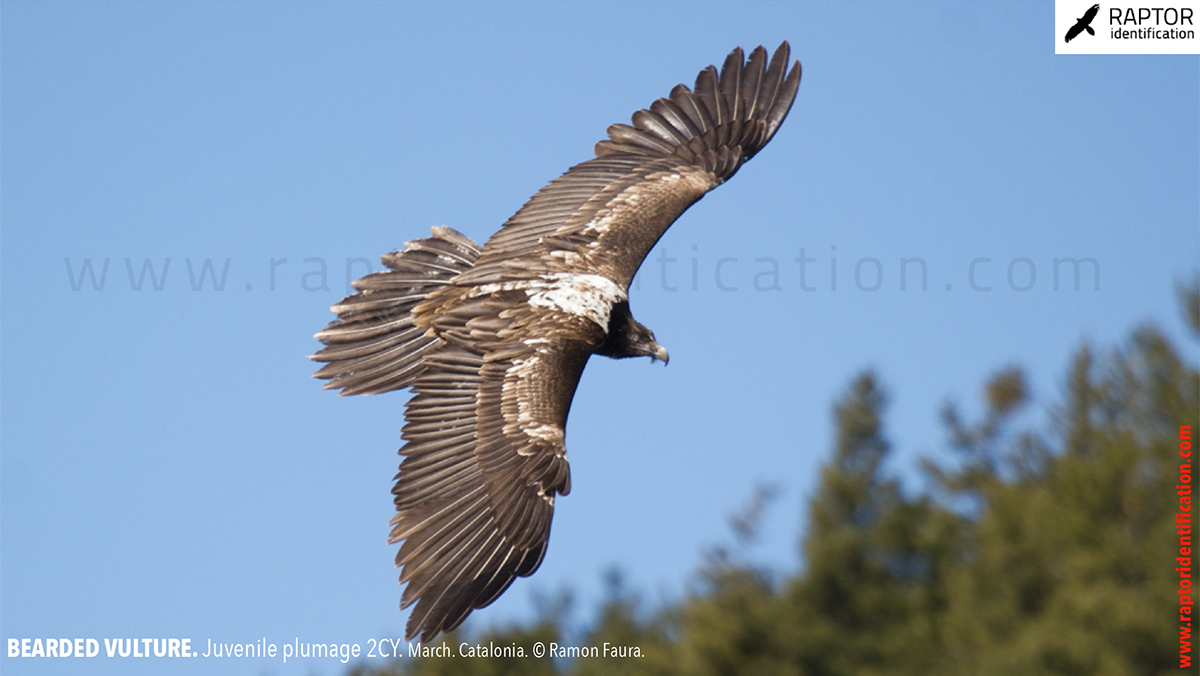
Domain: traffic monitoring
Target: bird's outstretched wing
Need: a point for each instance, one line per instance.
(603, 216)
(484, 459)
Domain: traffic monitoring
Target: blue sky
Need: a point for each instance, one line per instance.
(169, 469)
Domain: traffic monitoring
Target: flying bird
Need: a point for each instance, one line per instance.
(1084, 23)
(493, 340)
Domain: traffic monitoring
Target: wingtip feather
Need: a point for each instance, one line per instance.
(740, 106)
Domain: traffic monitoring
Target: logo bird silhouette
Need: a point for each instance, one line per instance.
(1084, 23)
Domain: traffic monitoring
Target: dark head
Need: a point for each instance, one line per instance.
(628, 338)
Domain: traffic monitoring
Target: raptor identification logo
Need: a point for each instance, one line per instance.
(1123, 27)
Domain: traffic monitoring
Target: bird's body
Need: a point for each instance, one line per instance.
(493, 340)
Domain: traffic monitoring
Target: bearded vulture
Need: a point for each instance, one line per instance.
(492, 340)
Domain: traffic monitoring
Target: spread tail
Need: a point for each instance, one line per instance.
(373, 346)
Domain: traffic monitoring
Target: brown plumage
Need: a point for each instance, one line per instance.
(493, 341)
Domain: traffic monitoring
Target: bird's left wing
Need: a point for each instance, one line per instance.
(484, 460)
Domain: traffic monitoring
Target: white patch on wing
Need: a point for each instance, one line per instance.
(590, 296)
(485, 289)
(548, 433)
(650, 189)
(512, 380)
(571, 259)
(600, 226)
(520, 371)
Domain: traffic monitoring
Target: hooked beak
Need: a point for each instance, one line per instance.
(660, 354)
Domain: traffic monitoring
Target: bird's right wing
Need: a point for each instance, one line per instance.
(603, 216)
